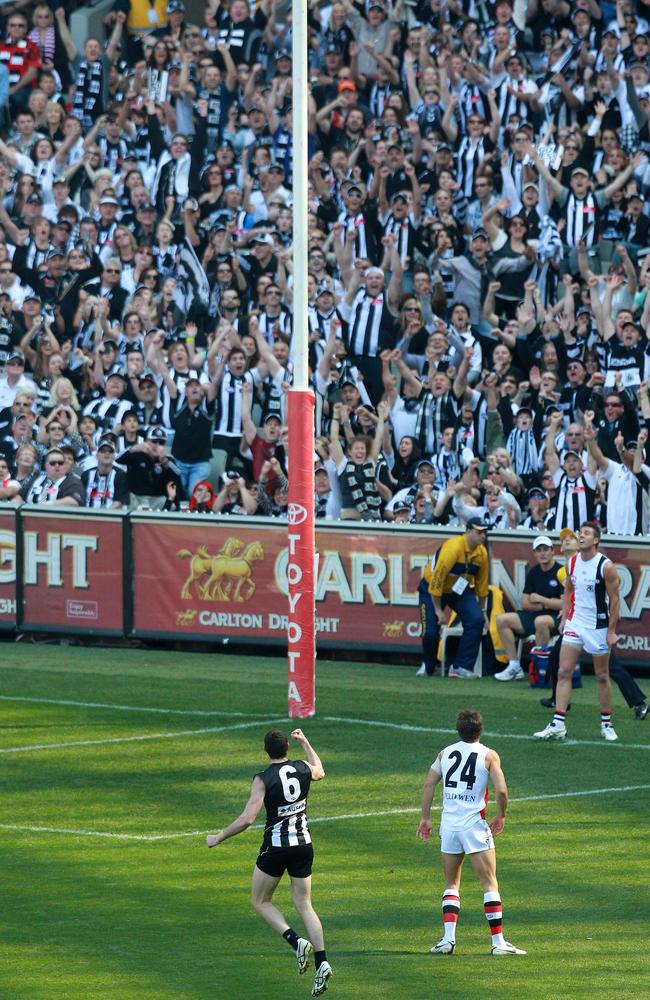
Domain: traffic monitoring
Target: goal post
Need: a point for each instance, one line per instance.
(301, 541)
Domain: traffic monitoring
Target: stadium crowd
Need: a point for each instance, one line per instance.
(478, 259)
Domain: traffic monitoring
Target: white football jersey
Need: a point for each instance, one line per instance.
(589, 601)
(465, 784)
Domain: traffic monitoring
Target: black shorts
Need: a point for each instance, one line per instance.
(527, 619)
(297, 861)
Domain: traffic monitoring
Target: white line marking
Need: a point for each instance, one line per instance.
(137, 739)
(314, 819)
(407, 727)
(128, 708)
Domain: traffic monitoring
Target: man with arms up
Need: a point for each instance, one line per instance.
(283, 789)
(587, 623)
(465, 769)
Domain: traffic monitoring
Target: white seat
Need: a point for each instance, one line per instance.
(457, 630)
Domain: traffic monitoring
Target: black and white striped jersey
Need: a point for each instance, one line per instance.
(574, 500)
(285, 800)
(229, 403)
(107, 412)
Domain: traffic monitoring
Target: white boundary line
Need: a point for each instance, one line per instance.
(406, 727)
(316, 819)
(130, 708)
(137, 739)
(379, 724)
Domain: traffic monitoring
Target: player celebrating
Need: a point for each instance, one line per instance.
(283, 789)
(464, 769)
(588, 622)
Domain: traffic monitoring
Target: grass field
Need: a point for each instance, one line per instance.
(116, 762)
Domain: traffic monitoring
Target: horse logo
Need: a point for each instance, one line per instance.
(185, 618)
(224, 577)
(393, 630)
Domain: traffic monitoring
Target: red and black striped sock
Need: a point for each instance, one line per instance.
(605, 718)
(494, 913)
(450, 911)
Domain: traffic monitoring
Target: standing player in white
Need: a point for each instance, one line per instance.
(282, 788)
(465, 769)
(588, 623)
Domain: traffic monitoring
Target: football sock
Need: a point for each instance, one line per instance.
(494, 914)
(605, 718)
(291, 937)
(559, 716)
(514, 663)
(319, 958)
(450, 911)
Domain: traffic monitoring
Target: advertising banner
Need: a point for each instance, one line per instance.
(7, 567)
(73, 572)
(213, 580)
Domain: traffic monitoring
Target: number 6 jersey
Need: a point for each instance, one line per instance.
(465, 784)
(285, 800)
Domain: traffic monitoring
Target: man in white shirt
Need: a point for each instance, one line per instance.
(13, 378)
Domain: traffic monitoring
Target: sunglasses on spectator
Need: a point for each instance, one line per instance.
(55, 461)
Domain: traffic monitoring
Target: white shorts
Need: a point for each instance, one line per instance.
(592, 640)
(470, 840)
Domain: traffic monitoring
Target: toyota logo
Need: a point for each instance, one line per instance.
(296, 513)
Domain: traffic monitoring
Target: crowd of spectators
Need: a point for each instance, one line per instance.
(478, 259)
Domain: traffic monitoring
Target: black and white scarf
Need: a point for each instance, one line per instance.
(360, 480)
(100, 490)
(522, 449)
(87, 104)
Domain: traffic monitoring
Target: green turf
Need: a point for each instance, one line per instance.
(88, 918)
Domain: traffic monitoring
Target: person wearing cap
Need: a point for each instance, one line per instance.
(522, 446)
(109, 287)
(457, 578)
(105, 486)
(53, 485)
(575, 485)
(191, 417)
(425, 476)
(541, 603)
(578, 206)
(150, 470)
(107, 410)
(537, 506)
(13, 378)
(149, 407)
(371, 28)
(637, 233)
(265, 443)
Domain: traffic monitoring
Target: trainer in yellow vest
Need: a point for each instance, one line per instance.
(145, 16)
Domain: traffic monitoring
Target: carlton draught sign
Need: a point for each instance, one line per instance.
(211, 578)
(72, 573)
(7, 568)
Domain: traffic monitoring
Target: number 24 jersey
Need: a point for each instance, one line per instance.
(465, 784)
(285, 800)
